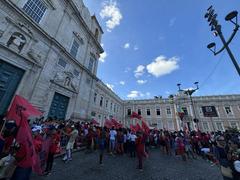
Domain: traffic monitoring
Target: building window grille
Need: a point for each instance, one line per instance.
(35, 9)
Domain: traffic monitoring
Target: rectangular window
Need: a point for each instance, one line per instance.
(106, 105)
(219, 126)
(168, 111)
(111, 106)
(62, 62)
(101, 101)
(158, 112)
(129, 112)
(95, 97)
(74, 49)
(205, 126)
(148, 112)
(139, 112)
(91, 64)
(234, 125)
(35, 9)
(228, 110)
(114, 108)
(184, 109)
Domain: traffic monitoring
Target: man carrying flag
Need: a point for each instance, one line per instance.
(24, 150)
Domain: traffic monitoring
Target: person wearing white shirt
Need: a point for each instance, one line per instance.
(112, 135)
(132, 148)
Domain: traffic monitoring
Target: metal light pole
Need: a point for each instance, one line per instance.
(189, 92)
(217, 30)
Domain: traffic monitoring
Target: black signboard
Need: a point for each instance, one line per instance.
(209, 111)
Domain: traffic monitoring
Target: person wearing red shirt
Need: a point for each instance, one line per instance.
(55, 139)
(140, 142)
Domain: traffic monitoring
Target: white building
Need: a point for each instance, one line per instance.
(49, 54)
(213, 112)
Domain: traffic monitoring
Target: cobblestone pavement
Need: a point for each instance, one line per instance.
(157, 167)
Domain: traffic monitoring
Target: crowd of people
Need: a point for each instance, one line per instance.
(51, 137)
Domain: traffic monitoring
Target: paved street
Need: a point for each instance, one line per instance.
(156, 167)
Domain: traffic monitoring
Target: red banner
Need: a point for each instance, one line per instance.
(20, 111)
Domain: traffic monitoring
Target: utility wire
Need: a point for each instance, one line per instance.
(213, 71)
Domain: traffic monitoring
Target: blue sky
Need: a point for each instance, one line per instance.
(152, 45)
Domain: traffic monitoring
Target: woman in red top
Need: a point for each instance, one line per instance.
(55, 139)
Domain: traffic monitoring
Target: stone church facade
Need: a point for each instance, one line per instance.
(49, 53)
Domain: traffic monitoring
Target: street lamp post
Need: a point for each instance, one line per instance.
(189, 92)
(217, 29)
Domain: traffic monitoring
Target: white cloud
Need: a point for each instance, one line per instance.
(134, 94)
(135, 48)
(172, 21)
(139, 71)
(162, 66)
(110, 86)
(112, 13)
(141, 81)
(137, 94)
(122, 83)
(126, 46)
(103, 57)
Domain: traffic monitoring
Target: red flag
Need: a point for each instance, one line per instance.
(116, 123)
(108, 124)
(94, 122)
(145, 127)
(132, 128)
(20, 111)
(138, 127)
(135, 115)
